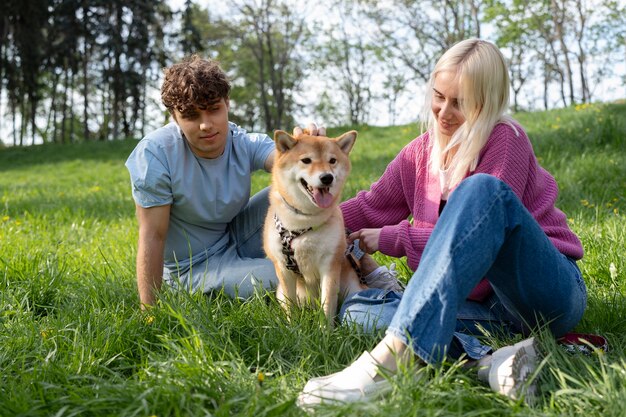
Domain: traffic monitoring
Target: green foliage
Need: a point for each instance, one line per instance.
(259, 44)
(74, 341)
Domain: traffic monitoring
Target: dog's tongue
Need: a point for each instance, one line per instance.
(322, 197)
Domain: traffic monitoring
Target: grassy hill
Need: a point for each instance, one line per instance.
(73, 341)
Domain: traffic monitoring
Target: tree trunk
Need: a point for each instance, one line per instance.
(50, 128)
(85, 62)
(64, 105)
(581, 56)
(72, 136)
(558, 13)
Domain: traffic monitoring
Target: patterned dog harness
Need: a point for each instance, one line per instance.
(286, 237)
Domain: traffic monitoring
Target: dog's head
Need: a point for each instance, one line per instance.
(312, 169)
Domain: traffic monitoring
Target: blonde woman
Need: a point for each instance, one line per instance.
(487, 244)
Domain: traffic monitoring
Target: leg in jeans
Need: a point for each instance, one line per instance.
(246, 229)
(241, 266)
(373, 310)
(486, 231)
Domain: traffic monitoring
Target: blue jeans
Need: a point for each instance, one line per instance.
(484, 231)
(240, 266)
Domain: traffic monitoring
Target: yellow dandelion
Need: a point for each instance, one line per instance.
(260, 377)
(584, 202)
(149, 319)
(5, 218)
(582, 106)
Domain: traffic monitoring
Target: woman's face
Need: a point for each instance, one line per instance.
(445, 103)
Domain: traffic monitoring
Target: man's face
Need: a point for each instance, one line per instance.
(206, 130)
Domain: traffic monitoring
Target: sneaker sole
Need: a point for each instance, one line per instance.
(512, 370)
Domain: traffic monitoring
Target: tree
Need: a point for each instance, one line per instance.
(609, 39)
(258, 43)
(559, 34)
(417, 33)
(514, 34)
(129, 47)
(348, 61)
(190, 36)
(25, 28)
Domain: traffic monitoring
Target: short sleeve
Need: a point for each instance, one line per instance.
(261, 146)
(149, 176)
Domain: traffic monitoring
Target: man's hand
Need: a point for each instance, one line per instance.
(368, 239)
(312, 129)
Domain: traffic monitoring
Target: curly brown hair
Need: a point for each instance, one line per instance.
(194, 83)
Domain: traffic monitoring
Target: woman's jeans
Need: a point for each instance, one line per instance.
(484, 231)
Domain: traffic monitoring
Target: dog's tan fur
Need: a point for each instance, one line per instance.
(320, 252)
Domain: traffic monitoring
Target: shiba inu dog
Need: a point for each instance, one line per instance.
(304, 233)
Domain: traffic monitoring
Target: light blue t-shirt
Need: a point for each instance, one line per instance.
(205, 194)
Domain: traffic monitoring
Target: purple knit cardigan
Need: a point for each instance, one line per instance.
(409, 188)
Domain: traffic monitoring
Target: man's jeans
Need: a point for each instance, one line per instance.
(484, 231)
(241, 265)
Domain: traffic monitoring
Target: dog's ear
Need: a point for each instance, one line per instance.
(284, 141)
(346, 141)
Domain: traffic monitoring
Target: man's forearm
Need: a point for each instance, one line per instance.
(149, 271)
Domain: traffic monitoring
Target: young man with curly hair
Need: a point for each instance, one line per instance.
(198, 227)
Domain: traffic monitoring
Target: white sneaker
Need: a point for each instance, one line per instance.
(355, 383)
(512, 370)
(384, 278)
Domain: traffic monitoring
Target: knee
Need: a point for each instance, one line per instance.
(371, 309)
(262, 197)
(480, 185)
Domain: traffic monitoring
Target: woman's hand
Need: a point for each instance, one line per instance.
(368, 239)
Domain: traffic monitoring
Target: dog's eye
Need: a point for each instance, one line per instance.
(306, 160)
(333, 160)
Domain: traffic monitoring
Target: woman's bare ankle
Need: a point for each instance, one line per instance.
(391, 351)
(368, 264)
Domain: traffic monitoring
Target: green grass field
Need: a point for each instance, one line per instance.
(74, 343)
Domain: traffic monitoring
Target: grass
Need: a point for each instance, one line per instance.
(73, 341)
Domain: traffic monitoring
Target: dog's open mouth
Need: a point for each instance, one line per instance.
(320, 196)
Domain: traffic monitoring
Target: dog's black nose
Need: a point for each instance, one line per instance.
(327, 178)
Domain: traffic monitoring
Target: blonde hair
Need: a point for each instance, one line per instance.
(483, 81)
